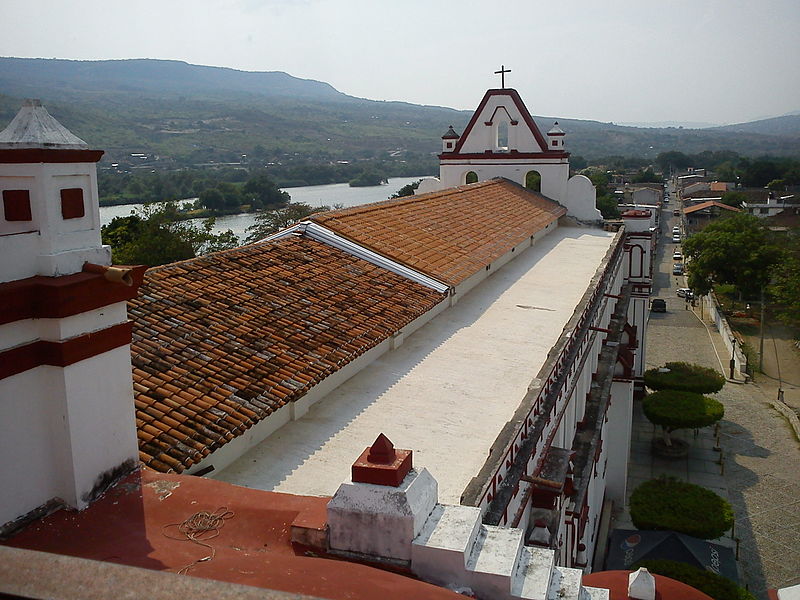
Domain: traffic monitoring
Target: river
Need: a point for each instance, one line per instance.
(314, 195)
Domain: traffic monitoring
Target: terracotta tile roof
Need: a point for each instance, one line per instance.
(451, 234)
(709, 204)
(222, 341)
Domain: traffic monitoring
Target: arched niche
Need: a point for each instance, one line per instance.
(533, 181)
(470, 177)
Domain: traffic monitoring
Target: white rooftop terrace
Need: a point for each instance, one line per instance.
(449, 389)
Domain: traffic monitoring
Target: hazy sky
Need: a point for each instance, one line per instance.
(720, 61)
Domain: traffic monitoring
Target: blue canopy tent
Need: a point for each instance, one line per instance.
(628, 546)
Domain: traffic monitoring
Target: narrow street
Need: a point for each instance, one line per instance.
(761, 452)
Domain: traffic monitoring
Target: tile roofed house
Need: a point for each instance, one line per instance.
(709, 204)
(220, 342)
(450, 234)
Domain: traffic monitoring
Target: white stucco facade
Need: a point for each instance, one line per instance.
(502, 140)
(66, 397)
(49, 244)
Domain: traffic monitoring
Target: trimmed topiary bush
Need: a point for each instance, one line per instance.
(672, 505)
(711, 584)
(673, 410)
(686, 377)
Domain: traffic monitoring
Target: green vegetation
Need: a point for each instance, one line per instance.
(736, 250)
(674, 410)
(734, 199)
(646, 176)
(730, 166)
(686, 377)
(407, 190)
(606, 203)
(533, 181)
(785, 289)
(157, 235)
(672, 505)
(270, 221)
(368, 177)
(711, 584)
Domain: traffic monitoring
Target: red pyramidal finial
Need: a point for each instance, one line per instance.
(382, 451)
(381, 464)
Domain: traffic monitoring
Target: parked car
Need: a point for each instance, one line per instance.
(676, 230)
(685, 293)
(676, 212)
(658, 305)
(676, 239)
(677, 269)
(677, 255)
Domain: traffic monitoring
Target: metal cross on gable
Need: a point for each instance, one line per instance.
(502, 72)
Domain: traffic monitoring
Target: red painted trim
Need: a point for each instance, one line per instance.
(72, 203)
(515, 98)
(17, 205)
(60, 354)
(47, 155)
(54, 297)
(491, 120)
(513, 154)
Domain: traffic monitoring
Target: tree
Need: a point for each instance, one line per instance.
(406, 190)
(684, 377)
(156, 236)
(368, 177)
(777, 185)
(608, 206)
(672, 505)
(261, 192)
(646, 176)
(230, 194)
(599, 179)
(734, 199)
(212, 199)
(673, 410)
(270, 221)
(785, 286)
(736, 250)
(672, 160)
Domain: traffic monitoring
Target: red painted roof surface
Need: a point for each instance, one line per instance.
(129, 525)
(450, 234)
(222, 341)
(666, 588)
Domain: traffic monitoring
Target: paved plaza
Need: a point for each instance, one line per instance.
(758, 465)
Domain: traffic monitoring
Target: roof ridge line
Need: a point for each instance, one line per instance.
(365, 208)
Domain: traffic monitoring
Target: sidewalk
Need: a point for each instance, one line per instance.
(760, 474)
(703, 466)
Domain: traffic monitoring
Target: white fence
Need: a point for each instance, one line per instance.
(713, 314)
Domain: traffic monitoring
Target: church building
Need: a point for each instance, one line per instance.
(493, 331)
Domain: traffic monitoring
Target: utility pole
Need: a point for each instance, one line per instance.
(761, 343)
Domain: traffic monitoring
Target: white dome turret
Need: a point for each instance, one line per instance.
(449, 140)
(555, 138)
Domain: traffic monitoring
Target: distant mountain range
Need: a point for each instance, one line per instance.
(193, 112)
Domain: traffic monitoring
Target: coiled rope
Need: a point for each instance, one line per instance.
(198, 529)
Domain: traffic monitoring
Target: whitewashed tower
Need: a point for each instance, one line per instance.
(66, 405)
(502, 140)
